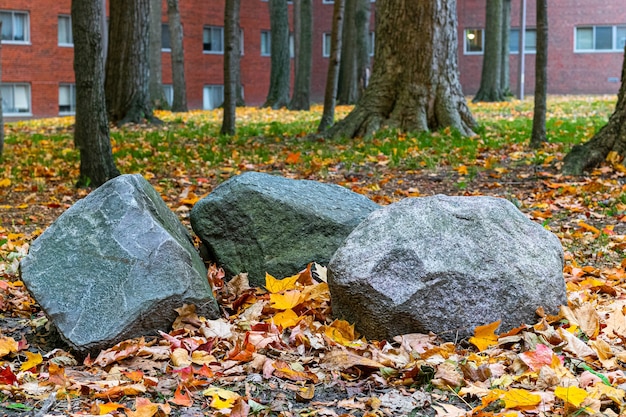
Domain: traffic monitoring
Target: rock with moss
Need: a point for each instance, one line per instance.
(446, 265)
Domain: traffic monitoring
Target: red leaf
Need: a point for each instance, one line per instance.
(7, 376)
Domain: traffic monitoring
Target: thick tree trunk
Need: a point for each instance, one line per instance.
(278, 95)
(330, 94)
(179, 103)
(505, 73)
(541, 76)
(347, 89)
(231, 65)
(127, 67)
(157, 96)
(304, 50)
(91, 132)
(611, 138)
(489, 89)
(362, 23)
(415, 81)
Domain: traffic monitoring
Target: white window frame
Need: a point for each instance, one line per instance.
(206, 91)
(168, 92)
(328, 1)
(526, 50)
(268, 50)
(69, 23)
(163, 26)
(210, 29)
(29, 110)
(326, 46)
(72, 110)
(465, 37)
(615, 47)
(292, 45)
(26, 40)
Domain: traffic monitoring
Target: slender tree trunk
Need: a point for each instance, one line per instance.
(362, 44)
(179, 102)
(302, 87)
(231, 65)
(157, 96)
(505, 66)
(328, 116)
(1, 115)
(608, 143)
(91, 132)
(415, 81)
(541, 76)
(347, 89)
(278, 95)
(127, 66)
(489, 89)
(104, 27)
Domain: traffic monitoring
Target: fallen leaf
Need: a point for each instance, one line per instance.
(484, 336)
(572, 395)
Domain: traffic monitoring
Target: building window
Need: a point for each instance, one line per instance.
(370, 45)
(67, 99)
(15, 26)
(530, 44)
(168, 92)
(213, 96)
(241, 41)
(326, 45)
(166, 44)
(213, 40)
(292, 46)
(474, 41)
(600, 38)
(266, 43)
(15, 99)
(65, 31)
(328, 1)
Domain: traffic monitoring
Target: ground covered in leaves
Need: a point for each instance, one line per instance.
(277, 351)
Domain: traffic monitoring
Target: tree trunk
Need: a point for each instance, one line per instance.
(179, 103)
(415, 81)
(330, 94)
(541, 76)
(1, 115)
(362, 23)
(611, 139)
(278, 95)
(302, 87)
(347, 89)
(231, 65)
(91, 131)
(489, 89)
(505, 73)
(157, 96)
(127, 67)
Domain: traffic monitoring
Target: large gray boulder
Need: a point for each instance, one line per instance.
(115, 265)
(258, 223)
(445, 265)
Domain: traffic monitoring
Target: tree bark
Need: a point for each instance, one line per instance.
(347, 89)
(362, 23)
(304, 49)
(541, 76)
(179, 103)
(610, 139)
(231, 65)
(127, 67)
(91, 131)
(278, 94)
(328, 115)
(157, 96)
(415, 81)
(505, 73)
(489, 89)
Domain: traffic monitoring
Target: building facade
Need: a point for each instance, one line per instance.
(586, 43)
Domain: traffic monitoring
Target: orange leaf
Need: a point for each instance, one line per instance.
(106, 408)
(341, 332)
(484, 336)
(589, 228)
(56, 374)
(121, 390)
(286, 300)
(143, 408)
(274, 285)
(182, 399)
(293, 158)
(7, 345)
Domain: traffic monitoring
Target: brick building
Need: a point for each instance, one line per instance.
(585, 50)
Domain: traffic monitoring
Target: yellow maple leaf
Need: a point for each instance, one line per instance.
(5, 182)
(516, 398)
(286, 300)
(274, 285)
(284, 319)
(572, 395)
(484, 336)
(342, 332)
(7, 345)
(106, 408)
(222, 398)
(32, 360)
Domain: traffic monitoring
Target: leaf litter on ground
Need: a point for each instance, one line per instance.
(277, 351)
